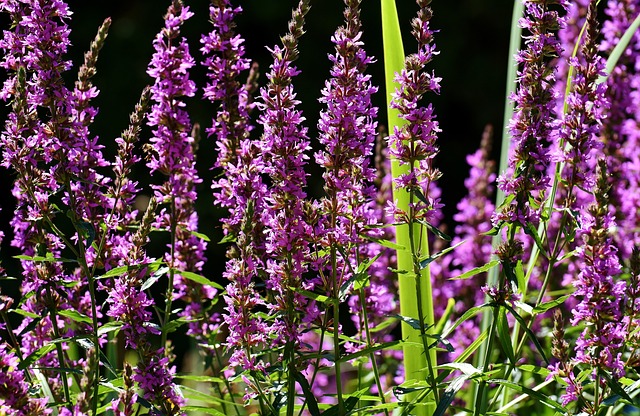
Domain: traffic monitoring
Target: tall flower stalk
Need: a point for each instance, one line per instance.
(347, 132)
(412, 149)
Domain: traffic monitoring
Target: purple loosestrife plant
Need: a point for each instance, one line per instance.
(347, 130)
(621, 127)
(240, 189)
(171, 152)
(531, 127)
(284, 145)
(601, 295)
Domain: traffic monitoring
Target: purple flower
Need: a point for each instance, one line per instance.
(347, 132)
(284, 145)
(240, 188)
(15, 398)
(172, 152)
(414, 143)
(621, 128)
(532, 124)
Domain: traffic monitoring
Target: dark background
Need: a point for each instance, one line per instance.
(473, 40)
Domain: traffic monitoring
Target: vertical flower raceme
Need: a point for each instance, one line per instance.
(45, 142)
(347, 133)
(586, 105)
(414, 144)
(621, 131)
(598, 289)
(240, 188)
(532, 124)
(172, 151)
(284, 145)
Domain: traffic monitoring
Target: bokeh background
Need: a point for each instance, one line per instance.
(472, 40)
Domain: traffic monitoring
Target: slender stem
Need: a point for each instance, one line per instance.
(56, 333)
(169, 294)
(372, 356)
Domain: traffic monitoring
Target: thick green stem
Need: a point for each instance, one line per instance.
(415, 361)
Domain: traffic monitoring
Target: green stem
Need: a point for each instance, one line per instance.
(414, 359)
(372, 356)
(169, 294)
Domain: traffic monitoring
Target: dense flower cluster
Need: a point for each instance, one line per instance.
(283, 146)
(414, 144)
(532, 124)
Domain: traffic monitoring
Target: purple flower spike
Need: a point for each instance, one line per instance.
(284, 145)
(172, 150)
(347, 133)
(532, 125)
(15, 398)
(414, 144)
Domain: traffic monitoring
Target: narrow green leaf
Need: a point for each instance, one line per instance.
(425, 262)
(470, 313)
(109, 327)
(200, 236)
(203, 409)
(449, 394)
(75, 316)
(25, 313)
(529, 333)
(504, 337)
(532, 231)
(369, 350)
(617, 52)
(534, 369)
(543, 307)
(154, 278)
(195, 277)
(387, 243)
(531, 393)
(615, 386)
(477, 270)
(35, 356)
(435, 230)
(44, 259)
(310, 398)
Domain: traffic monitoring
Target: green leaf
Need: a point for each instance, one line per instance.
(229, 238)
(532, 231)
(544, 372)
(25, 313)
(310, 398)
(470, 313)
(617, 52)
(349, 404)
(154, 278)
(195, 277)
(75, 316)
(412, 322)
(529, 333)
(425, 262)
(543, 307)
(35, 356)
(109, 327)
(44, 259)
(200, 236)
(312, 295)
(435, 230)
(386, 243)
(504, 337)
(531, 393)
(369, 350)
(615, 386)
(477, 270)
(449, 394)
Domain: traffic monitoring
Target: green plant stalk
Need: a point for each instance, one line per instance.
(482, 357)
(414, 355)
